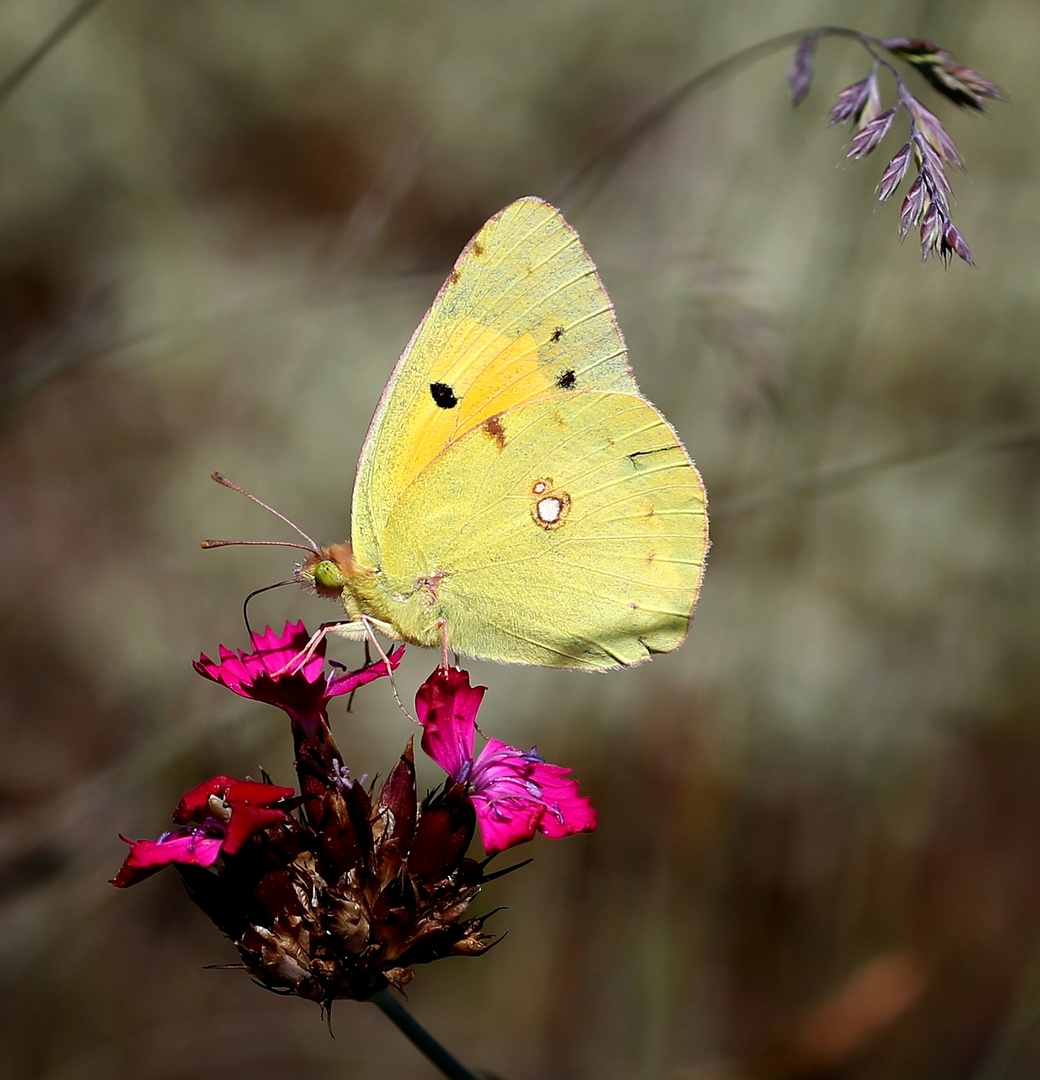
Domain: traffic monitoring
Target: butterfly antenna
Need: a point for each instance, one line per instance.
(223, 480)
(257, 592)
(207, 544)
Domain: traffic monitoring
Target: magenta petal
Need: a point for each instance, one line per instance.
(304, 693)
(274, 652)
(271, 653)
(523, 794)
(447, 708)
(515, 793)
(149, 856)
(192, 848)
(566, 811)
(349, 681)
(505, 823)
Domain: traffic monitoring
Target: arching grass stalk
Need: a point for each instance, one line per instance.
(927, 204)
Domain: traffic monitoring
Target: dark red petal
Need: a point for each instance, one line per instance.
(397, 795)
(247, 821)
(255, 793)
(194, 805)
(444, 833)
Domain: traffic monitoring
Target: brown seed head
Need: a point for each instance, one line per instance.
(344, 898)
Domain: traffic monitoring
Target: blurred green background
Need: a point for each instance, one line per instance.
(819, 841)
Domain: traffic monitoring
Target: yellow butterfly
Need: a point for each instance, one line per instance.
(517, 498)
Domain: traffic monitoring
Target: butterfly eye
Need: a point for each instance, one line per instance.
(328, 574)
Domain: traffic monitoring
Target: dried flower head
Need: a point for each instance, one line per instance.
(346, 897)
(339, 891)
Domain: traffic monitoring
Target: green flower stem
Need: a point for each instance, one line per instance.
(421, 1038)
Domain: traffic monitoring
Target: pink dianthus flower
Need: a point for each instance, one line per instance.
(515, 793)
(216, 818)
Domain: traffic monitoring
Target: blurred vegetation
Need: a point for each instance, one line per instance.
(818, 853)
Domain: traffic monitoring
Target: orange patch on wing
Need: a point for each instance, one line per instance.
(493, 426)
(488, 372)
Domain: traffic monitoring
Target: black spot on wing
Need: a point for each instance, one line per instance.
(566, 380)
(443, 395)
(557, 334)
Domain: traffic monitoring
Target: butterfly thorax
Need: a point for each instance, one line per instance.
(335, 573)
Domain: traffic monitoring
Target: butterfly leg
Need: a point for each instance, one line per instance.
(371, 636)
(310, 648)
(442, 623)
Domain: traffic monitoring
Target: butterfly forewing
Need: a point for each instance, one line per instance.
(522, 316)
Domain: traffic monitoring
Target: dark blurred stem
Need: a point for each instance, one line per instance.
(609, 156)
(421, 1038)
(61, 31)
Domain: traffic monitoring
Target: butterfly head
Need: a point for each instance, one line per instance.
(327, 570)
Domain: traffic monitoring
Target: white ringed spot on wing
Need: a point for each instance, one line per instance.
(550, 507)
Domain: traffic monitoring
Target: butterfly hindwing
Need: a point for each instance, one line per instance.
(573, 534)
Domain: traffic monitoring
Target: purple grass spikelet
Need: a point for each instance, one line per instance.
(800, 73)
(894, 172)
(870, 134)
(929, 145)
